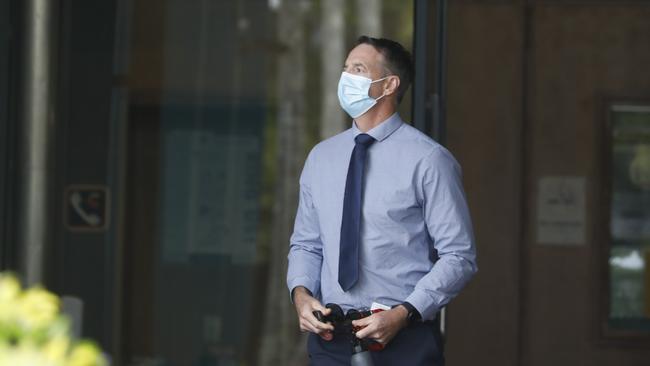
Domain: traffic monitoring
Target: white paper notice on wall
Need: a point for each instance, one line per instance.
(561, 212)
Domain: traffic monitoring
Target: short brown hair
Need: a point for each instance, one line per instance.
(398, 60)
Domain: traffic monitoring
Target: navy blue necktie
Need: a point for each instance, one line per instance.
(351, 224)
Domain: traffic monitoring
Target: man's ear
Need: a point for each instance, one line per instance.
(392, 84)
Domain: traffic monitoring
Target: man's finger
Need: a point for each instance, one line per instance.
(318, 306)
(366, 324)
(365, 332)
(306, 326)
(317, 323)
(320, 326)
(313, 328)
(363, 322)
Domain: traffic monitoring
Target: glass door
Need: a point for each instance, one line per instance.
(225, 99)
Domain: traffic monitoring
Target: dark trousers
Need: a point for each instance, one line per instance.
(416, 345)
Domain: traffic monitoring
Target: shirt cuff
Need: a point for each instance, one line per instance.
(310, 284)
(423, 303)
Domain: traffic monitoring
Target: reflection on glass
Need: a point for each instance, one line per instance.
(229, 97)
(630, 218)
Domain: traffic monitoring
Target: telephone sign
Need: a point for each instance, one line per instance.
(86, 208)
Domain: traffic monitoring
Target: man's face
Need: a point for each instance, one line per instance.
(365, 60)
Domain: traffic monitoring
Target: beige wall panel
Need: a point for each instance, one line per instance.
(484, 121)
(580, 54)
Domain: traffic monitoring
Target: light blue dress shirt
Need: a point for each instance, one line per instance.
(417, 243)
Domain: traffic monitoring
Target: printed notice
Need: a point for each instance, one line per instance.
(561, 210)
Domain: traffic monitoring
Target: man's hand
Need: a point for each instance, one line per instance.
(382, 326)
(306, 304)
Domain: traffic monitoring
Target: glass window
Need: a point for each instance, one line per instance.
(5, 32)
(225, 100)
(629, 256)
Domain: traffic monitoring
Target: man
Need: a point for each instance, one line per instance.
(382, 219)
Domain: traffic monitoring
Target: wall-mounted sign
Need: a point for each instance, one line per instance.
(561, 210)
(86, 207)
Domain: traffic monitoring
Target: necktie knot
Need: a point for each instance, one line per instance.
(364, 139)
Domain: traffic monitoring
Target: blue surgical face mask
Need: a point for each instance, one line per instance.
(353, 94)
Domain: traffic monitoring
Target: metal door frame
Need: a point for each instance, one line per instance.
(430, 98)
(8, 72)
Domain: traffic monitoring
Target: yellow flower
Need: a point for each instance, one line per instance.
(86, 354)
(56, 349)
(38, 308)
(9, 287)
(9, 293)
(34, 333)
(24, 355)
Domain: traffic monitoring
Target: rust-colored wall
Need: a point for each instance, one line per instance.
(526, 87)
(484, 133)
(580, 55)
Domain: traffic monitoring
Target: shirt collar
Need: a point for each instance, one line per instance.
(382, 130)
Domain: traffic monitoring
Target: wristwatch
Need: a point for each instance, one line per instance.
(413, 313)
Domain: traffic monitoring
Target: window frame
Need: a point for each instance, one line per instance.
(607, 335)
